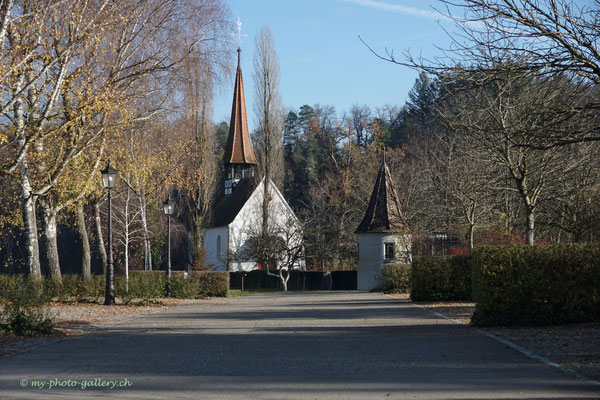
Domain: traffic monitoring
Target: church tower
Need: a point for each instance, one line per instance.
(238, 209)
(239, 160)
(383, 236)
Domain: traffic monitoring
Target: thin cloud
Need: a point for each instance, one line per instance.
(397, 8)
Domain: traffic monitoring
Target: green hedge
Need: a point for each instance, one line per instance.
(24, 307)
(440, 278)
(394, 277)
(142, 285)
(201, 284)
(523, 285)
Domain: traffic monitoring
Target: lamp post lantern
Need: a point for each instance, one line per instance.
(169, 208)
(109, 180)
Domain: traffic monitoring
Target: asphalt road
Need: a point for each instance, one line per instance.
(343, 345)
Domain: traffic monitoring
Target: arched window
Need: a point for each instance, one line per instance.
(219, 247)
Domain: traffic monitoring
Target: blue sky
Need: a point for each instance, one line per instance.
(321, 58)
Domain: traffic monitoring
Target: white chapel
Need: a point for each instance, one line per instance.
(238, 209)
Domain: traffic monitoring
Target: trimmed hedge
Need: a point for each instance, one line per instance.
(210, 283)
(435, 278)
(394, 278)
(524, 285)
(142, 285)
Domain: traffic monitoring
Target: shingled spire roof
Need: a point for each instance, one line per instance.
(383, 214)
(238, 149)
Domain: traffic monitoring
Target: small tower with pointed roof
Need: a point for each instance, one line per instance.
(383, 236)
(239, 160)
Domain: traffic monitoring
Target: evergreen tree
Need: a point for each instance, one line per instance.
(421, 99)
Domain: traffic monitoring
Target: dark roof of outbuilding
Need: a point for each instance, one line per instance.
(228, 207)
(383, 213)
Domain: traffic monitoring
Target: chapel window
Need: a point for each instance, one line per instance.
(389, 251)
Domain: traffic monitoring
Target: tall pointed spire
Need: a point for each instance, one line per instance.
(383, 213)
(238, 149)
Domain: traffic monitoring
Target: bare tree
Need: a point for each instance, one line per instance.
(543, 38)
(360, 118)
(501, 119)
(198, 77)
(459, 180)
(270, 116)
(128, 228)
(280, 250)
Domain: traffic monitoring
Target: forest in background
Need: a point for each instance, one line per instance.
(500, 149)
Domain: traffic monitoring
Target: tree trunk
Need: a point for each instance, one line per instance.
(471, 219)
(28, 200)
(126, 238)
(146, 235)
(86, 257)
(265, 204)
(284, 280)
(471, 233)
(529, 239)
(101, 248)
(50, 237)
(30, 228)
(198, 244)
(126, 260)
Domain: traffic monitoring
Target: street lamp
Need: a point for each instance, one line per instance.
(109, 180)
(169, 208)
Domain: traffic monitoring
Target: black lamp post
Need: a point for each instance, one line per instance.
(109, 180)
(169, 208)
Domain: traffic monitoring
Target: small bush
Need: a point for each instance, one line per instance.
(394, 278)
(183, 287)
(9, 283)
(435, 278)
(213, 283)
(25, 310)
(534, 285)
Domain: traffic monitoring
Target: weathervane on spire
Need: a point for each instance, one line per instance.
(239, 33)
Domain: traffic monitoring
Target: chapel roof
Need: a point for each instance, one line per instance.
(228, 207)
(238, 149)
(383, 213)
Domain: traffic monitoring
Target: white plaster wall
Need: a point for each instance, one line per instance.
(248, 222)
(371, 256)
(209, 243)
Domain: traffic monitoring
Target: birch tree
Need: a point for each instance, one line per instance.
(71, 71)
